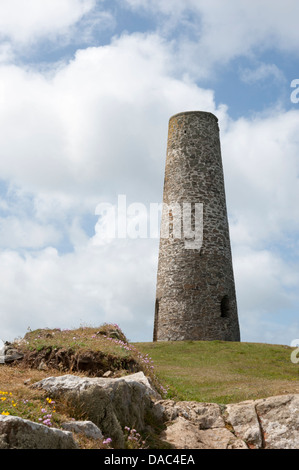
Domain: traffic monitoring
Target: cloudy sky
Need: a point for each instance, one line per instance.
(86, 91)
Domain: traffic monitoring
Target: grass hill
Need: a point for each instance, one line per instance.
(205, 371)
(223, 372)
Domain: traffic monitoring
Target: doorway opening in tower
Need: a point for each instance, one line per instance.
(225, 307)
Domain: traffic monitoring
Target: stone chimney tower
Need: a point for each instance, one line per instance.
(195, 295)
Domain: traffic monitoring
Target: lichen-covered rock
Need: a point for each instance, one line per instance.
(184, 434)
(193, 425)
(204, 415)
(244, 420)
(111, 404)
(18, 433)
(279, 419)
(269, 423)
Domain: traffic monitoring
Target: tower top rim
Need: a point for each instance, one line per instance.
(199, 113)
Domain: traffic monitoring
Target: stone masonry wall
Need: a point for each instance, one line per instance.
(195, 295)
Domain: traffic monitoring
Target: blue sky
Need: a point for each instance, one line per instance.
(86, 91)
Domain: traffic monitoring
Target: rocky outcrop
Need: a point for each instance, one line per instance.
(274, 423)
(17, 433)
(192, 425)
(8, 354)
(269, 423)
(111, 404)
(53, 355)
(183, 434)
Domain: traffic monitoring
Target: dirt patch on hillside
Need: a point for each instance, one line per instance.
(92, 363)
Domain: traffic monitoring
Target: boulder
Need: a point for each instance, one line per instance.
(194, 425)
(268, 423)
(184, 434)
(111, 404)
(242, 417)
(9, 354)
(87, 428)
(279, 420)
(18, 433)
(204, 415)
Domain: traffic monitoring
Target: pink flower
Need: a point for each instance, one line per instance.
(107, 441)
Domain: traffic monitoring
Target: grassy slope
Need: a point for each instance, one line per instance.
(206, 371)
(107, 345)
(223, 372)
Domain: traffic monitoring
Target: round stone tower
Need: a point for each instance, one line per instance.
(195, 296)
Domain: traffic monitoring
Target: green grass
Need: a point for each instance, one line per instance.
(103, 338)
(223, 372)
(205, 371)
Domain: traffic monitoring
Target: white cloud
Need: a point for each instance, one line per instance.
(262, 167)
(264, 72)
(93, 285)
(18, 233)
(95, 123)
(6, 53)
(25, 22)
(95, 128)
(211, 33)
(263, 280)
(91, 24)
